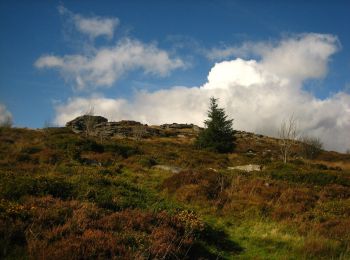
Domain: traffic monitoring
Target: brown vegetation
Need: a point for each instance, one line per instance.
(68, 196)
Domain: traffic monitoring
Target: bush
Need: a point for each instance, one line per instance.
(91, 146)
(208, 184)
(148, 161)
(31, 150)
(123, 150)
(15, 187)
(311, 146)
(89, 233)
(116, 194)
(314, 177)
(320, 248)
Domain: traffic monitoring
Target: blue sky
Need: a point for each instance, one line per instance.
(169, 56)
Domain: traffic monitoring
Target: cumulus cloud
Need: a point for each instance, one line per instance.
(5, 116)
(93, 26)
(108, 64)
(286, 58)
(300, 58)
(258, 94)
(96, 67)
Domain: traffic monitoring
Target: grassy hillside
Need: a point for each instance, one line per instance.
(67, 196)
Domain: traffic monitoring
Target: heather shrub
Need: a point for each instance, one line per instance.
(14, 187)
(208, 183)
(148, 161)
(335, 191)
(313, 178)
(12, 236)
(50, 156)
(69, 196)
(129, 234)
(91, 145)
(320, 248)
(31, 150)
(47, 212)
(120, 149)
(114, 194)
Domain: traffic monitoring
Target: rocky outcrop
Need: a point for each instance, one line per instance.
(169, 168)
(125, 129)
(85, 123)
(246, 168)
(180, 126)
(100, 127)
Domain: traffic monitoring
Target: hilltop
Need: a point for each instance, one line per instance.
(99, 189)
(254, 145)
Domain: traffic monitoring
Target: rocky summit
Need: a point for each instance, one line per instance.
(100, 127)
(82, 123)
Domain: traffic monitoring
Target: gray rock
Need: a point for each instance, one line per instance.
(180, 126)
(99, 126)
(246, 168)
(82, 123)
(172, 169)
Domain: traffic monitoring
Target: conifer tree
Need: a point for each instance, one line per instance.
(218, 134)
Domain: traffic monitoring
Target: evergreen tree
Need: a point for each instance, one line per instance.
(218, 134)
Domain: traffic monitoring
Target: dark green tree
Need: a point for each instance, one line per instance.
(218, 134)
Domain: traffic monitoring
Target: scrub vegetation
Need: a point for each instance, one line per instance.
(70, 196)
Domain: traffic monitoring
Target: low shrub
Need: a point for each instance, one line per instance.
(119, 149)
(14, 187)
(91, 146)
(335, 191)
(320, 166)
(314, 178)
(320, 248)
(207, 183)
(148, 161)
(31, 150)
(129, 234)
(49, 156)
(12, 235)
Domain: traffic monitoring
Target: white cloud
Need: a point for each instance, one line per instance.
(5, 115)
(108, 64)
(96, 26)
(258, 94)
(93, 26)
(287, 58)
(236, 72)
(49, 61)
(96, 67)
(300, 58)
